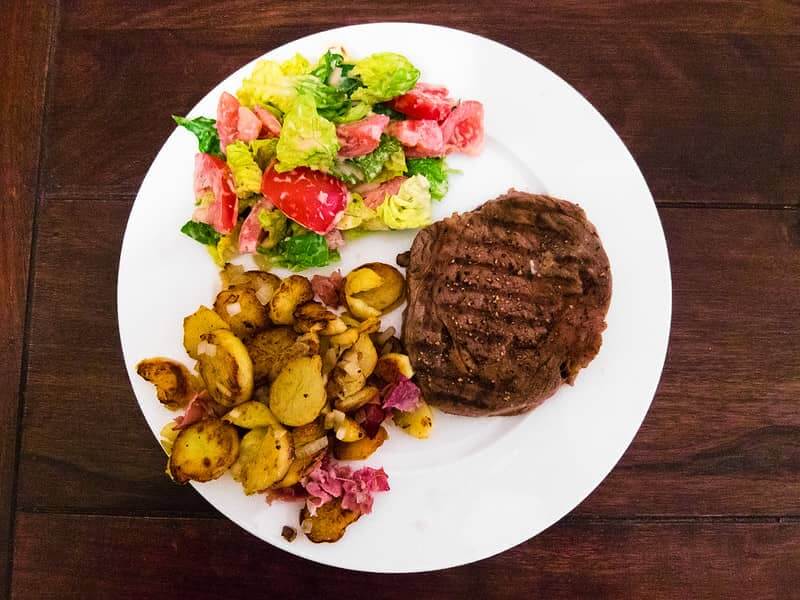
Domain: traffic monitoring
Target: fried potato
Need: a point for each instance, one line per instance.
(166, 438)
(365, 353)
(291, 293)
(369, 326)
(361, 449)
(389, 366)
(195, 325)
(226, 368)
(345, 339)
(203, 451)
(373, 289)
(330, 522)
(174, 384)
(349, 431)
(241, 309)
(357, 400)
(310, 442)
(269, 351)
(251, 414)
(417, 423)
(298, 393)
(264, 458)
(314, 317)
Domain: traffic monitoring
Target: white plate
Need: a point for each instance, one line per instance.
(478, 486)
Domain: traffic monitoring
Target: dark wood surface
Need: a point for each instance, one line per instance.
(706, 501)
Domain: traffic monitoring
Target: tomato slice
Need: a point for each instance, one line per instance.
(425, 101)
(211, 173)
(361, 137)
(227, 118)
(421, 137)
(311, 198)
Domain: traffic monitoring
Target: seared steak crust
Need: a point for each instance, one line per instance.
(505, 303)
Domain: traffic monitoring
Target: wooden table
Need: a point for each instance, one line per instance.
(705, 503)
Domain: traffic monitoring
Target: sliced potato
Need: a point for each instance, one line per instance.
(345, 339)
(240, 308)
(389, 366)
(314, 317)
(370, 326)
(298, 393)
(357, 400)
(196, 325)
(251, 414)
(265, 456)
(330, 522)
(306, 434)
(263, 284)
(349, 320)
(291, 293)
(366, 355)
(361, 449)
(373, 289)
(174, 384)
(203, 451)
(269, 351)
(310, 443)
(417, 423)
(349, 431)
(226, 368)
(352, 371)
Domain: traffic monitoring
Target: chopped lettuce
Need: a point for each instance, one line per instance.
(332, 70)
(301, 251)
(201, 232)
(225, 249)
(205, 129)
(307, 139)
(297, 65)
(384, 109)
(274, 223)
(355, 112)
(263, 151)
(384, 75)
(245, 170)
(410, 208)
(385, 162)
(268, 84)
(359, 215)
(435, 171)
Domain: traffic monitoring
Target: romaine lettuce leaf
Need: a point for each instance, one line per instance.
(410, 208)
(297, 65)
(205, 129)
(359, 215)
(201, 232)
(268, 84)
(385, 162)
(307, 139)
(302, 251)
(263, 151)
(245, 170)
(356, 112)
(384, 75)
(435, 171)
(274, 223)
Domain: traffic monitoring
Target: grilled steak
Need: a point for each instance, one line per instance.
(505, 303)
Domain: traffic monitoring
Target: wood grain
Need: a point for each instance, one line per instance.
(24, 45)
(710, 117)
(723, 436)
(64, 557)
(705, 16)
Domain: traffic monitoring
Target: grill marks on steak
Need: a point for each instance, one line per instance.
(505, 303)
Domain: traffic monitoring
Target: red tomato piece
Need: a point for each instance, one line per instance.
(211, 173)
(313, 199)
(227, 118)
(374, 195)
(425, 101)
(361, 137)
(249, 125)
(271, 127)
(463, 129)
(421, 138)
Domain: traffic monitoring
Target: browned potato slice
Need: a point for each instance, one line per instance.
(309, 443)
(357, 400)
(389, 366)
(369, 326)
(240, 308)
(306, 434)
(265, 456)
(330, 522)
(349, 431)
(345, 339)
(417, 423)
(269, 351)
(203, 451)
(291, 293)
(174, 384)
(226, 368)
(167, 437)
(373, 289)
(196, 325)
(349, 320)
(361, 449)
(251, 414)
(298, 393)
(314, 317)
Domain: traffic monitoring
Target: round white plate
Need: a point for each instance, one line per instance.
(478, 486)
